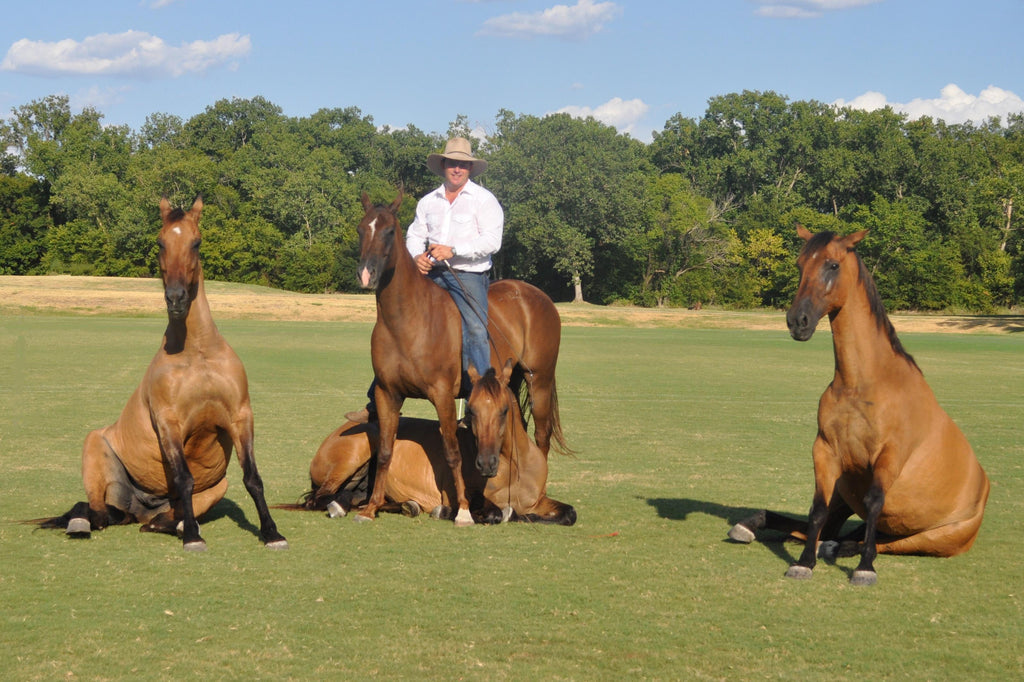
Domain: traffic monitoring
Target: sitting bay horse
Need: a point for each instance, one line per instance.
(885, 449)
(420, 477)
(416, 347)
(163, 462)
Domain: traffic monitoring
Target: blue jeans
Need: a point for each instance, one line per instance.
(469, 292)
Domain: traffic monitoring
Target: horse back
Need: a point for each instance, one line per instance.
(524, 324)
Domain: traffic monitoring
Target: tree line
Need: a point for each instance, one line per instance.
(702, 215)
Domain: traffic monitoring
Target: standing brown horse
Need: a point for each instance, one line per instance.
(885, 450)
(420, 477)
(417, 340)
(163, 462)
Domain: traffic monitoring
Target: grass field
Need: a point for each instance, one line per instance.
(679, 432)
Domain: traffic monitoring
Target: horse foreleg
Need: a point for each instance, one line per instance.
(452, 454)
(388, 412)
(272, 539)
(181, 478)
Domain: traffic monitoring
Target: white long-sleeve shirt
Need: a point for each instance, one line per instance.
(472, 225)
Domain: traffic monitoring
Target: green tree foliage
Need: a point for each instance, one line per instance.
(704, 214)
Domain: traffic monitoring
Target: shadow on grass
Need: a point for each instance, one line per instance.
(1008, 323)
(227, 508)
(779, 544)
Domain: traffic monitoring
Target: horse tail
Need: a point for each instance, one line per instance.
(557, 437)
(50, 521)
(522, 392)
(306, 503)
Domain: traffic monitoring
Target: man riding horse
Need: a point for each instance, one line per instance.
(457, 230)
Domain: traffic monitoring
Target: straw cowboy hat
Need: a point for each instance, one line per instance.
(458, 149)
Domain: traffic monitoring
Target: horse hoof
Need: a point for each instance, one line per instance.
(828, 550)
(277, 544)
(79, 528)
(195, 546)
(863, 578)
(506, 514)
(335, 510)
(742, 534)
(797, 572)
(359, 518)
(441, 512)
(411, 508)
(463, 518)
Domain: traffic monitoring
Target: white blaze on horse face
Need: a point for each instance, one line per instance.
(373, 227)
(176, 230)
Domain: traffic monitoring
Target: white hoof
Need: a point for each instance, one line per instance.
(79, 527)
(506, 514)
(335, 510)
(277, 545)
(863, 578)
(197, 546)
(463, 518)
(740, 533)
(828, 550)
(797, 572)
(359, 518)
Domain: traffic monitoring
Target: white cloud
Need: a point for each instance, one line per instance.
(132, 53)
(583, 19)
(621, 114)
(953, 105)
(805, 9)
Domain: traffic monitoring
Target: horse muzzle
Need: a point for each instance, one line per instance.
(802, 320)
(487, 463)
(178, 301)
(367, 276)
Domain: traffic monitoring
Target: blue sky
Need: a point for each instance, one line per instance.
(630, 63)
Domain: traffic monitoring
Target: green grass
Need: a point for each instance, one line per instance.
(679, 432)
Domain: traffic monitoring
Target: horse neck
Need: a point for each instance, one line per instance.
(517, 440)
(863, 351)
(400, 293)
(198, 330)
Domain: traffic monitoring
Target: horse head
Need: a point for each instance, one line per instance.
(180, 269)
(828, 267)
(488, 409)
(377, 232)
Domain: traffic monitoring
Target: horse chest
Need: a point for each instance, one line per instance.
(849, 422)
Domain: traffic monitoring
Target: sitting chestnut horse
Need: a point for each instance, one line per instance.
(885, 450)
(416, 347)
(420, 477)
(163, 462)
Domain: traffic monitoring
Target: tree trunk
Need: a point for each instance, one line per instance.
(577, 285)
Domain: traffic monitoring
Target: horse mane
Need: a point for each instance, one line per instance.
(175, 214)
(822, 239)
(878, 311)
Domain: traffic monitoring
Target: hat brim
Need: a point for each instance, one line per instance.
(435, 162)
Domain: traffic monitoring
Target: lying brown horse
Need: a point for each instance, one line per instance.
(163, 462)
(885, 450)
(420, 477)
(417, 340)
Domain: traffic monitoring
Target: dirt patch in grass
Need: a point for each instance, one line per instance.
(63, 295)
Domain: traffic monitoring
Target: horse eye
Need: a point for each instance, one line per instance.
(196, 243)
(833, 265)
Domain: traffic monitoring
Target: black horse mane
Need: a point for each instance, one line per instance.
(878, 311)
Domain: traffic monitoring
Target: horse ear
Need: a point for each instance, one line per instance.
(474, 376)
(851, 239)
(165, 207)
(197, 205)
(397, 203)
(803, 232)
(506, 372)
(365, 198)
